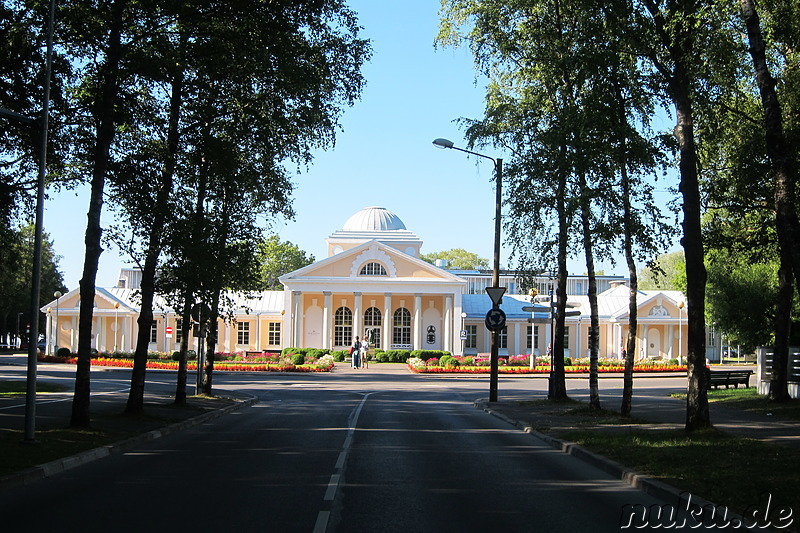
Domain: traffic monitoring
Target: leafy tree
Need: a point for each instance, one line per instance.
(277, 258)
(458, 258)
(15, 279)
(666, 272)
(783, 159)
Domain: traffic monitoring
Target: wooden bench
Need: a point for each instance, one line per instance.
(716, 378)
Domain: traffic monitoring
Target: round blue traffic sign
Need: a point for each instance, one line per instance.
(495, 319)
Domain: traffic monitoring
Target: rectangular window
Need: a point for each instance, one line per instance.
(502, 338)
(274, 333)
(243, 336)
(566, 337)
(154, 332)
(472, 337)
(178, 330)
(535, 338)
(529, 343)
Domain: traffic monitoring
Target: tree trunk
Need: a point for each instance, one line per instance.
(135, 403)
(629, 352)
(186, 321)
(778, 383)
(105, 117)
(782, 157)
(681, 50)
(594, 323)
(558, 385)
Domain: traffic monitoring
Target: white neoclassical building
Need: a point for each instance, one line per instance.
(374, 281)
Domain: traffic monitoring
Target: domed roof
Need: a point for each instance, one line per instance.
(374, 219)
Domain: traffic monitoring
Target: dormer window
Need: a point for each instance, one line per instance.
(373, 269)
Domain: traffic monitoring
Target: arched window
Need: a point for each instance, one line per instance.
(343, 327)
(373, 269)
(401, 330)
(372, 320)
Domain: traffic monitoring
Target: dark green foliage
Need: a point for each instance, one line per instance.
(298, 359)
(428, 354)
(64, 352)
(392, 356)
(339, 355)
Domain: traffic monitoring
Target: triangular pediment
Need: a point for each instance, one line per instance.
(350, 264)
(654, 305)
(120, 300)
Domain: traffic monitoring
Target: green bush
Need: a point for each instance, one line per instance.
(315, 353)
(339, 355)
(176, 356)
(567, 361)
(429, 354)
(392, 356)
(64, 352)
(298, 359)
(292, 350)
(448, 361)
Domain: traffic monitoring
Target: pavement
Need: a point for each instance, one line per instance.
(163, 418)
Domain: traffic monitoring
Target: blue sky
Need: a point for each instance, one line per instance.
(383, 157)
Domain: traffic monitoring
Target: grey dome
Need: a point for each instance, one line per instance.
(373, 219)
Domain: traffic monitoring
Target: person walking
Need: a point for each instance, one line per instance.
(365, 352)
(356, 350)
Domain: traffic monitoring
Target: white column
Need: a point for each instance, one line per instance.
(388, 318)
(358, 315)
(448, 323)
(416, 334)
(297, 319)
(645, 345)
(258, 332)
(326, 321)
(671, 340)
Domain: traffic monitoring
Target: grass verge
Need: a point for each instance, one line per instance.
(728, 470)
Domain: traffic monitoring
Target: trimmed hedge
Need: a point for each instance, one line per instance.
(393, 356)
(429, 354)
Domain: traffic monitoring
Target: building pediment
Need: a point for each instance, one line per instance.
(370, 261)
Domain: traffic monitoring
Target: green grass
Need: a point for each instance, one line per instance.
(725, 469)
(51, 444)
(748, 399)
(17, 388)
(722, 468)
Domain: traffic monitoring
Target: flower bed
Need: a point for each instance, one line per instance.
(325, 364)
(419, 366)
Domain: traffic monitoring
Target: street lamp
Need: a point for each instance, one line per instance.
(680, 332)
(116, 324)
(57, 295)
(495, 292)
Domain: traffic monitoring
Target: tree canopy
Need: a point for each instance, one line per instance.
(458, 258)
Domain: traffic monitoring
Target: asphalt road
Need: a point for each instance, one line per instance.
(371, 450)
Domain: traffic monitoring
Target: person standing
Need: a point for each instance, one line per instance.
(365, 352)
(356, 349)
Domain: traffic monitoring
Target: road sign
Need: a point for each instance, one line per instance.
(536, 309)
(200, 312)
(572, 313)
(495, 319)
(169, 331)
(463, 335)
(496, 294)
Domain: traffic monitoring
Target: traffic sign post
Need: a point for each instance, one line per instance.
(495, 319)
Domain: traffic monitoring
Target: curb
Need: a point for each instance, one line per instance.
(641, 482)
(33, 474)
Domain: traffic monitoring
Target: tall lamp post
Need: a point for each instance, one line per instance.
(40, 126)
(680, 332)
(495, 317)
(58, 295)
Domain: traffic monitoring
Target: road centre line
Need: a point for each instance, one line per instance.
(330, 493)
